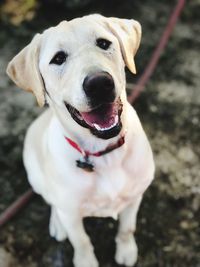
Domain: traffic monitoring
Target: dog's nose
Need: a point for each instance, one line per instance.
(99, 87)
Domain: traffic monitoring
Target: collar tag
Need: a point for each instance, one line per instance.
(86, 165)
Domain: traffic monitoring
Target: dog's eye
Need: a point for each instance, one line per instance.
(103, 43)
(59, 58)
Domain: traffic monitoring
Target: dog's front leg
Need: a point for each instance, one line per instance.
(126, 248)
(83, 249)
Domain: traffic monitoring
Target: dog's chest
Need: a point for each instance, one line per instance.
(102, 193)
(108, 196)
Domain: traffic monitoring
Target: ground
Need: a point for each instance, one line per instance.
(168, 232)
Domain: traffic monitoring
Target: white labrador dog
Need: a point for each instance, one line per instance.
(87, 155)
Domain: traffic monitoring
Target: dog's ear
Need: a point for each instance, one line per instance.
(23, 69)
(128, 33)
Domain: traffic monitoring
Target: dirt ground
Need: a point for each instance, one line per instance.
(168, 232)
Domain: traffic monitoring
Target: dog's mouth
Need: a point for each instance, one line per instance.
(103, 121)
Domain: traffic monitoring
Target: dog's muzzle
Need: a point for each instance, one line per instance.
(104, 118)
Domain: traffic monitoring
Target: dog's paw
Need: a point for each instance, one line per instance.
(56, 229)
(126, 251)
(58, 233)
(85, 260)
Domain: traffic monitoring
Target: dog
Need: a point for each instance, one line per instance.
(87, 154)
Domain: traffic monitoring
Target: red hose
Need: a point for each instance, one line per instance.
(15, 207)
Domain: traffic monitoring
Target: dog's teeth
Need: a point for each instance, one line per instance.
(96, 126)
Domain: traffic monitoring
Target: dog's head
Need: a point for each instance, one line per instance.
(78, 66)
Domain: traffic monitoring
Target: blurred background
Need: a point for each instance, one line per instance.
(168, 232)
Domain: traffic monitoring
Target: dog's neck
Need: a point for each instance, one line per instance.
(86, 153)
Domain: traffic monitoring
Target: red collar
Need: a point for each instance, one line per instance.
(86, 153)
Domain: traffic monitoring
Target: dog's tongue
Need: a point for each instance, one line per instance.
(102, 118)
